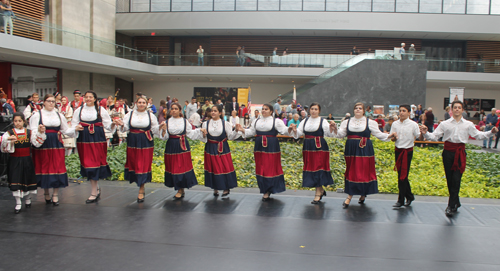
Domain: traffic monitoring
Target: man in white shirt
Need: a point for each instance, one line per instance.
(200, 52)
(407, 130)
(191, 108)
(455, 132)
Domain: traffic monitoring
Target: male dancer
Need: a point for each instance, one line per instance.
(407, 130)
(455, 132)
(78, 101)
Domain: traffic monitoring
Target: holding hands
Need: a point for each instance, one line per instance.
(292, 127)
(163, 126)
(204, 131)
(12, 138)
(118, 122)
(423, 129)
(79, 127)
(41, 129)
(239, 128)
(394, 136)
(333, 127)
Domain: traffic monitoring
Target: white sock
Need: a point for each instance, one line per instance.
(28, 199)
(18, 203)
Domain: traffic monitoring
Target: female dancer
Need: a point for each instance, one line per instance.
(267, 151)
(179, 171)
(141, 125)
(90, 120)
(219, 169)
(21, 175)
(58, 97)
(118, 113)
(315, 151)
(67, 112)
(360, 176)
(48, 154)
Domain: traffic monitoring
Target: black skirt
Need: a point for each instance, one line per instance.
(21, 174)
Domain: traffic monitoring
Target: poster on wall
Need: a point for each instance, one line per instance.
(472, 104)
(378, 110)
(446, 102)
(457, 94)
(28, 80)
(487, 104)
(393, 110)
(225, 94)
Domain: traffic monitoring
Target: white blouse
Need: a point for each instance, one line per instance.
(49, 119)
(312, 125)
(176, 126)
(215, 129)
(89, 113)
(7, 146)
(265, 125)
(359, 125)
(140, 120)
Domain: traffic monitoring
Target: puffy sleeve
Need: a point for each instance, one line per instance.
(65, 128)
(300, 130)
(250, 131)
(416, 131)
(191, 133)
(155, 127)
(198, 135)
(76, 117)
(27, 112)
(37, 139)
(163, 135)
(281, 127)
(106, 120)
(7, 146)
(342, 130)
(126, 121)
(231, 134)
(373, 126)
(326, 129)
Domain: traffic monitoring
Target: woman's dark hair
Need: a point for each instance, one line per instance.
(208, 114)
(219, 108)
(199, 111)
(179, 107)
(21, 115)
(246, 116)
(163, 103)
(282, 115)
(270, 107)
(47, 96)
(317, 104)
(96, 104)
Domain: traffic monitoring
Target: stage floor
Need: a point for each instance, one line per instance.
(201, 232)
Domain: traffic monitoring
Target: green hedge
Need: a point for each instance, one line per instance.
(480, 180)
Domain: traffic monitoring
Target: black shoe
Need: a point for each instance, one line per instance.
(362, 201)
(317, 201)
(216, 194)
(448, 212)
(17, 211)
(345, 205)
(408, 202)
(397, 205)
(96, 199)
(225, 194)
(55, 203)
(141, 200)
(27, 205)
(47, 201)
(484, 147)
(266, 199)
(178, 198)
(324, 194)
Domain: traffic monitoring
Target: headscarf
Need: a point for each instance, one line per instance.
(64, 107)
(103, 103)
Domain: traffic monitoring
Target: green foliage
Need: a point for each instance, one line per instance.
(480, 180)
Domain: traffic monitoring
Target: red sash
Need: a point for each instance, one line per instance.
(317, 140)
(264, 139)
(182, 141)
(139, 131)
(59, 135)
(362, 141)
(459, 150)
(91, 126)
(402, 162)
(220, 146)
(21, 152)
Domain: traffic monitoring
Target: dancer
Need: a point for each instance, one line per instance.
(141, 125)
(32, 107)
(67, 111)
(219, 169)
(315, 152)
(455, 132)
(48, 154)
(21, 174)
(90, 120)
(267, 151)
(179, 172)
(407, 130)
(118, 113)
(78, 101)
(360, 176)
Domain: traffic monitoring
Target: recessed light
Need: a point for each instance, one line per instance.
(272, 81)
(293, 81)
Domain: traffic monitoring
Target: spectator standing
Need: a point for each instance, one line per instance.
(447, 113)
(369, 112)
(429, 119)
(206, 106)
(162, 110)
(242, 56)
(411, 51)
(151, 106)
(169, 103)
(233, 106)
(285, 52)
(354, 51)
(418, 113)
(402, 50)
(191, 108)
(491, 121)
(186, 103)
(277, 108)
(238, 49)
(200, 53)
(497, 136)
(275, 51)
(243, 110)
(7, 16)
(255, 116)
(6, 108)
(381, 122)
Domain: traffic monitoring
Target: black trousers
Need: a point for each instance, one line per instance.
(404, 185)
(496, 140)
(453, 178)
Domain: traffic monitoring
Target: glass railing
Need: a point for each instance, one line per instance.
(481, 7)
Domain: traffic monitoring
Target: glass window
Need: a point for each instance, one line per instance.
(314, 5)
(480, 6)
(454, 6)
(495, 6)
(139, 6)
(360, 5)
(122, 5)
(203, 5)
(160, 5)
(246, 4)
(287, 5)
(269, 5)
(406, 5)
(430, 6)
(337, 5)
(384, 5)
(181, 5)
(224, 5)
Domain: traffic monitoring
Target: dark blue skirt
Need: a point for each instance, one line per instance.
(219, 168)
(316, 171)
(179, 171)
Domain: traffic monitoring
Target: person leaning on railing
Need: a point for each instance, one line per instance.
(8, 14)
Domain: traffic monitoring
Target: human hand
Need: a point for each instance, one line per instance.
(118, 122)
(79, 127)
(12, 138)
(163, 126)
(423, 129)
(204, 131)
(333, 126)
(494, 130)
(41, 129)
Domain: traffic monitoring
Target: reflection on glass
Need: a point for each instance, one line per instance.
(481, 6)
(291, 5)
(203, 5)
(454, 6)
(160, 5)
(407, 6)
(384, 5)
(269, 5)
(139, 5)
(337, 5)
(246, 5)
(430, 6)
(224, 5)
(181, 5)
(360, 5)
(314, 5)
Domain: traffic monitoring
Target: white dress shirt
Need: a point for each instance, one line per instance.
(265, 125)
(312, 125)
(457, 132)
(140, 120)
(176, 126)
(359, 125)
(49, 119)
(215, 129)
(407, 131)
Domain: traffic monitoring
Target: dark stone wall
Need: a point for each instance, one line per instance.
(373, 82)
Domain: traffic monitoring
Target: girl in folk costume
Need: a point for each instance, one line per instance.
(32, 107)
(48, 154)
(315, 152)
(219, 169)
(141, 125)
(58, 97)
(179, 171)
(360, 175)
(104, 103)
(67, 112)
(90, 120)
(118, 113)
(21, 174)
(267, 151)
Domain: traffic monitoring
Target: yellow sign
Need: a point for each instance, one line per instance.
(243, 96)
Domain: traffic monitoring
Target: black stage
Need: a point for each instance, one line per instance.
(243, 233)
